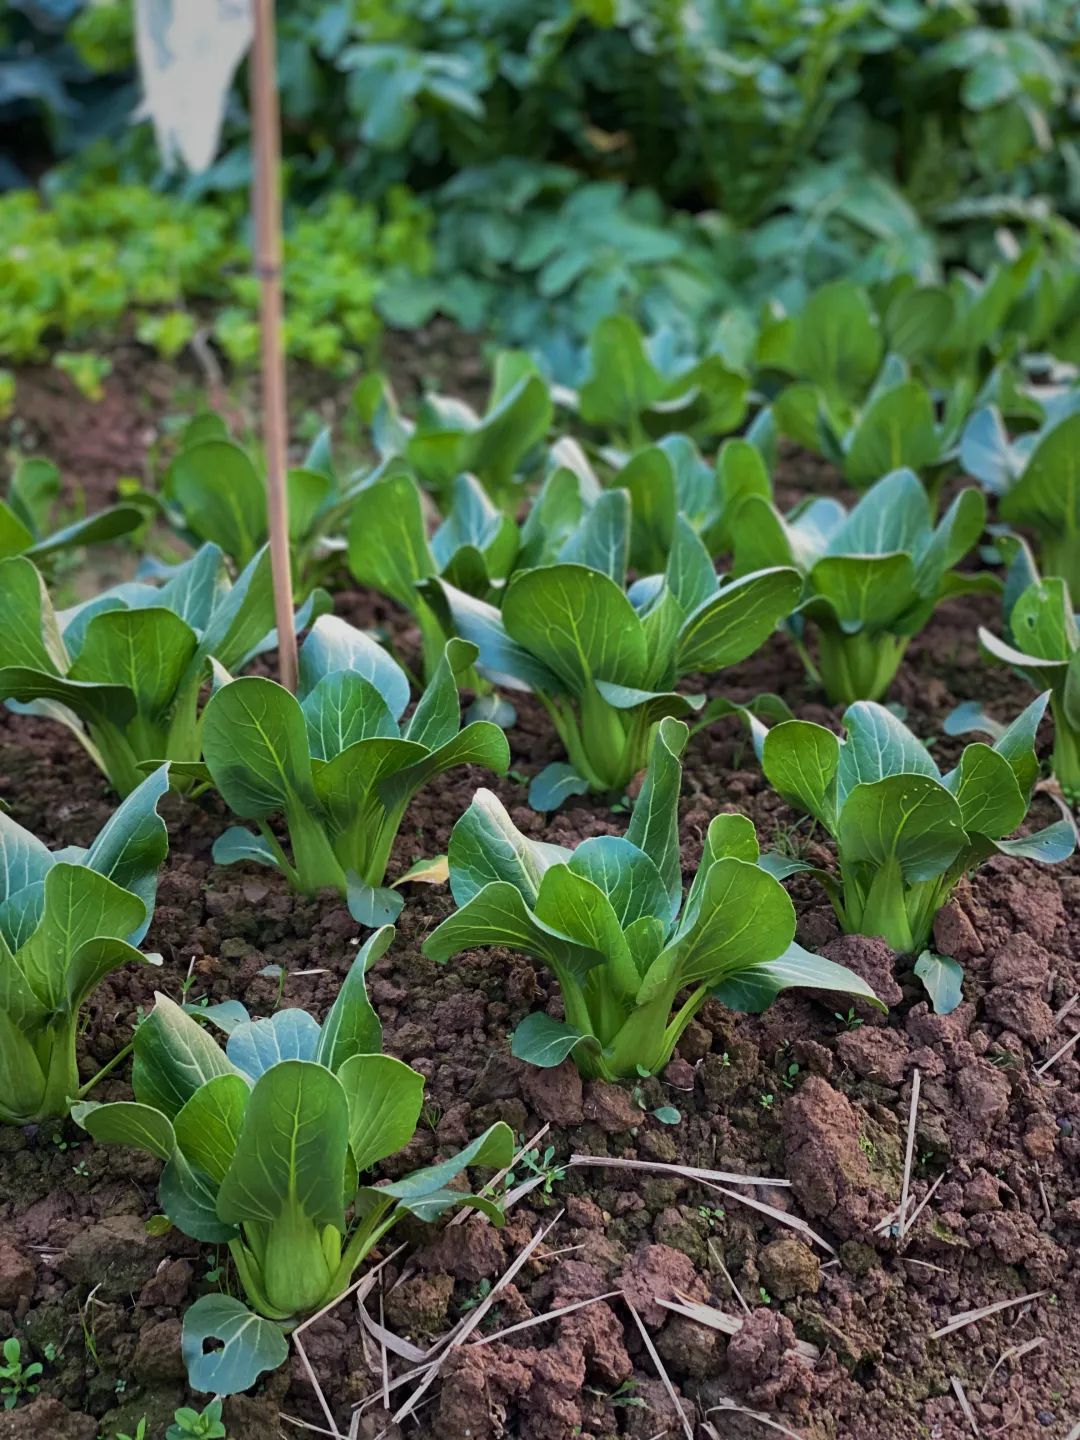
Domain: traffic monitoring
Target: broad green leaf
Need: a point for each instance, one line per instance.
(907, 816)
(623, 382)
(494, 1149)
(291, 1152)
(1017, 743)
(133, 843)
(110, 524)
(497, 915)
(351, 1026)
(256, 747)
(1047, 494)
(373, 906)
(286, 1035)
(743, 917)
(127, 1123)
(1042, 621)
(189, 1198)
(990, 799)
(236, 845)
(602, 541)
(196, 587)
(956, 534)
(500, 656)
(897, 428)
(1050, 846)
(174, 1056)
(222, 496)
(624, 874)
(555, 784)
(22, 1080)
(245, 1345)
(388, 546)
(654, 821)
(801, 760)
(385, 1097)
(893, 515)
(755, 988)
(838, 342)
(486, 846)
(29, 635)
(333, 645)
(15, 538)
(649, 479)
(437, 716)
(342, 709)
(863, 591)
(578, 623)
(689, 575)
(569, 904)
(737, 620)
(208, 1126)
(539, 1040)
(34, 489)
(878, 745)
(943, 979)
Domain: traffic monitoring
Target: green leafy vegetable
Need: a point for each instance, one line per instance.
(28, 513)
(1044, 645)
(268, 1146)
(905, 834)
(67, 919)
(336, 762)
(872, 578)
(603, 660)
(124, 671)
(605, 919)
(1037, 480)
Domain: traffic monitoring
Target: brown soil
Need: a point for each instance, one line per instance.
(798, 1093)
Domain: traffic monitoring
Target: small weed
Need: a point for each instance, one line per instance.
(764, 1296)
(850, 1021)
(869, 1149)
(537, 1164)
(191, 1424)
(766, 1101)
(788, 1079)
(712, 1213)
(476, 1297)
(140, 1431)
(17, 1379)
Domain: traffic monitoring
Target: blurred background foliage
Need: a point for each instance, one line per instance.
(526, 167)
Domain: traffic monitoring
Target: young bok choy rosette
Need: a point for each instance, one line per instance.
(609, 920)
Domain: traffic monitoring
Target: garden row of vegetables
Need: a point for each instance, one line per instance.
(271, 1139)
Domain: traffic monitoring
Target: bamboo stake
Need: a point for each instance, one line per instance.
(266, 203)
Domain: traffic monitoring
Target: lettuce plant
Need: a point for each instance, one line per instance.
(336, 762)
(124, 671)
(1044, 645)
(1037, 481)
(871, 578)
(67, 919)
(268, 1147)
(905, 834)
(28, 514)
(608, 919)
(603, 660)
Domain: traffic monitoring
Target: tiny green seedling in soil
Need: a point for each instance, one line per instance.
(766, 1100)
(537, 1164)
(191, 1424)
(140, 1431)
(850, 1021)
(18, 1380)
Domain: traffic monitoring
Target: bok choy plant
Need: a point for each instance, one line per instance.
(124, 671)
(1037, 481)
(67, 919)
(871, 578)
(608, 919)
(269, 1146)
(1044, 645)
(336, 762)
(905, 834)
(476, 545)
(448, 438)
(27, 517)
(602, 660)
(214, 492)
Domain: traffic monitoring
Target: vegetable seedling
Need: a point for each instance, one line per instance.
(602, 660)
(905, 833)
(608, 920)
(267, 1148)
(67, 919)
(124, 671)
(336, 762)
(871, 578)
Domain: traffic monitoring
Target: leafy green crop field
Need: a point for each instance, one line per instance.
(629, 989)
